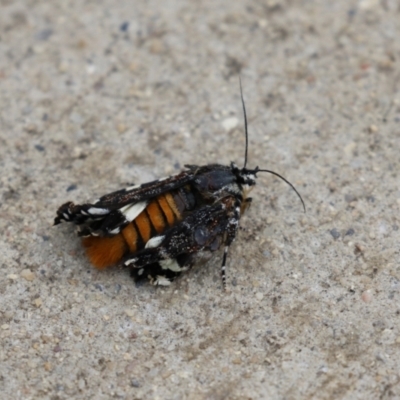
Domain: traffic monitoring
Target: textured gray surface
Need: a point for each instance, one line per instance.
(313, 309)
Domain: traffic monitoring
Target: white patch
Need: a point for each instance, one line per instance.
(84, 212)
(161, 281)
(98, 211)
(114, 231)
(171, 264)
(154, 242)
(133, 187)
(66, 216)
(230, 123)
(131, 261)
(163, 179)
(140, 272)
(131, 211)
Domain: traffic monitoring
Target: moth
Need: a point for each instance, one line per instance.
(162, 228)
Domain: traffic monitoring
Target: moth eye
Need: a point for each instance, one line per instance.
(201, 235)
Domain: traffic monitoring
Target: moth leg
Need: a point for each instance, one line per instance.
(223, 267)
(232, 229)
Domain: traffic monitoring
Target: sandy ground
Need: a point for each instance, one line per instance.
(98, 94)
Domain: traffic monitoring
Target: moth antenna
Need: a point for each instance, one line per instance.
(285, 180)
(245, 122)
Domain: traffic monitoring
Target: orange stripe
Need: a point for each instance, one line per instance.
(130, 235)
(143, 224)
(104, 251)
(162, 201)
(172, 204)
(156, 217)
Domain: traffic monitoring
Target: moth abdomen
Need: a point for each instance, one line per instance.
(160, 214)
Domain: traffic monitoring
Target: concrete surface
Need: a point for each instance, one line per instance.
(98, 94)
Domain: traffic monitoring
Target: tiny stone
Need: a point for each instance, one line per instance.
(335, 233)
(373, 129)
(38, 302)
(124, 26)
(71, 187)
(13, 277)
(27, 274)
(259, 296)
(48, 367)
(99, 287)
(350, 232)
(121, 128)
(129, 312)
(135, 383)
(349, 149)
(366, 296)
(4, 327)
(230, 123)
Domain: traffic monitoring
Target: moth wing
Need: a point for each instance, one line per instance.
(186, 243)
(112, 212)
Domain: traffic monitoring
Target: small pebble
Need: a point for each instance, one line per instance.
(48, 367)
(373, 129)
(135, 383)
(230, 123)
(259, 296)
(129, 312)
(121, 128)
(71, 187)
(27, 274)
(124, 26)
(335, 233)
(349, 149)
(366, 296)
(38, 302)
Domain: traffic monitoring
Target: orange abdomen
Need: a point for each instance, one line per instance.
(160, 214)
